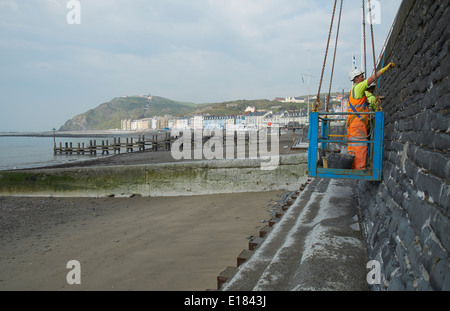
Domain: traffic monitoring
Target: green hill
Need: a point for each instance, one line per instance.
(109, 114)
(239, 106)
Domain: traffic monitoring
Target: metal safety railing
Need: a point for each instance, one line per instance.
(320, 139)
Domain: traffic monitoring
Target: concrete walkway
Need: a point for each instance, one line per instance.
(315, 243)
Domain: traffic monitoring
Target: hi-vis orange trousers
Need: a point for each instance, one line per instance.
(357, 131)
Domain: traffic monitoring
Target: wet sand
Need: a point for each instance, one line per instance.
(171, 244)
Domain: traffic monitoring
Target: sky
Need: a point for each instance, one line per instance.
(60, 58)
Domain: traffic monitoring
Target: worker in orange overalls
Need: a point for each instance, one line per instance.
(357, 124)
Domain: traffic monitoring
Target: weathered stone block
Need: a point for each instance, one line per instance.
(429, 184)
(225, 275)
(418, 212)
(396, 283)
(439, 273)
(243, 257)
(441, 227)
(444, 198)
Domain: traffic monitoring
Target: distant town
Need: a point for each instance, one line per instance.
(250, 119)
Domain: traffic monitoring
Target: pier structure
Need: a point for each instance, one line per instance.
(105, 147)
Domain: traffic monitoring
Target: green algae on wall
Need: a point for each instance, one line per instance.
(165, 179)
(13, 182)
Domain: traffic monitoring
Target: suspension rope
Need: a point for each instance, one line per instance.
(364, 33)
(334, 57)
(317, 101)
(373, 43)
(377, 101)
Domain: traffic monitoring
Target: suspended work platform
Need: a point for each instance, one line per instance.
(320, 149)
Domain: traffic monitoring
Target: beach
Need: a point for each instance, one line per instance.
(138, 243)
(165, 243)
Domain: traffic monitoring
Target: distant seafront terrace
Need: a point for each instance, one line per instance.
(254, 120)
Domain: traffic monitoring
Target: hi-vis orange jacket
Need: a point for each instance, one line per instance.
(357, 105)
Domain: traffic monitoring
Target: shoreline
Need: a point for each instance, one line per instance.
(149, 157)
(79, 134)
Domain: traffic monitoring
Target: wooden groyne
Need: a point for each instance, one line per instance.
(116, 146)
(130, 144)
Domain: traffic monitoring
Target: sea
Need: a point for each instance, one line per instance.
(20, 152)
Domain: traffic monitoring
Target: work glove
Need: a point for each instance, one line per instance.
(389, 66)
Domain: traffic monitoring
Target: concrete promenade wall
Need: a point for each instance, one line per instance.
(406, 216)
(165, 179)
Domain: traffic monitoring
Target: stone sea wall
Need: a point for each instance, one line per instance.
(165, 179)
(406, 216)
